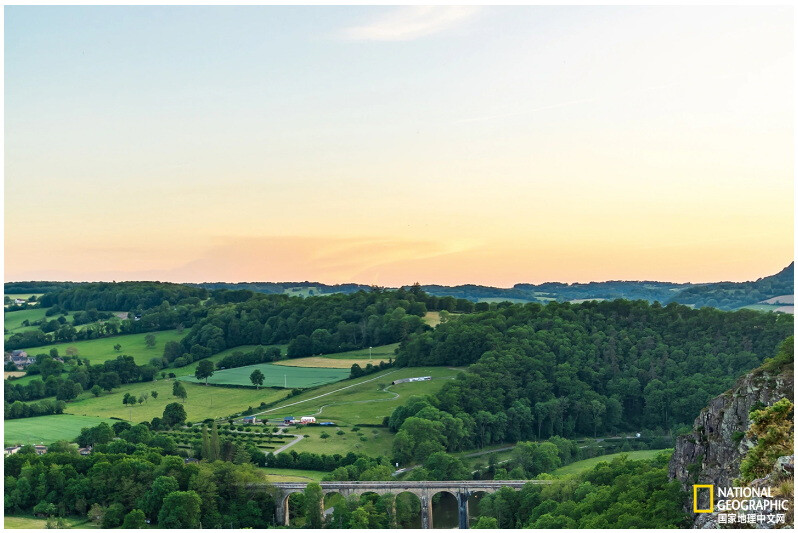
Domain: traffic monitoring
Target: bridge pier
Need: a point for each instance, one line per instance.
(462, 507)
(426, 510)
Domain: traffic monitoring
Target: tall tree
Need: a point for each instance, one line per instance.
(257, 378)
(179, 391)
(204, 370)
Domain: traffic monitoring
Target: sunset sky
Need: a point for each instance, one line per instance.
(389, 145)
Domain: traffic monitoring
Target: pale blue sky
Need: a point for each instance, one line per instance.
(492, 145)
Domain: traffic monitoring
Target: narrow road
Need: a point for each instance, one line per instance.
(282, 449)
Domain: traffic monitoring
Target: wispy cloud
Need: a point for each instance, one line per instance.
(411, 22)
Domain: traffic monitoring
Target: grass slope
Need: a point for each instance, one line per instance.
(31, 522)
(368, 401)
(202, 402)
(325, 362)
(377, 441)
(189, 370)
(276, 376)
(288, 474)
(580, 466)
(13, 321)
(47, 429)
(101, 350)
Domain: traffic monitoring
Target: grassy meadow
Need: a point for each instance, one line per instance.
(275, 475)
(377, 352)
(202, 402)
(365, 400)
(326, 362)
(580, 466)
(13, 321)
(377, 441)
(47, 429)
(31, 522)
(101, 350)
(189, 370)
(276, 376)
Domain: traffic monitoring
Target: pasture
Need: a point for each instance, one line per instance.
(101, 350)
(326, 362)
(367, 440)
(290, 377)
(12, 321)
(377, 352)
(365, 400)
(275, 475)
(580, 466)
(31, 522)
(47, 429)
(202, 402)
(189, 369)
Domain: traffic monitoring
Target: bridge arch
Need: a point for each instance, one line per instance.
(426, 491)
(408, 510)
(444, 509)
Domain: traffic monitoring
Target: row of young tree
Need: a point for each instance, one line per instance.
(577, 370)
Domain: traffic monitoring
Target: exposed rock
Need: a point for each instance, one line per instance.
(711, 454)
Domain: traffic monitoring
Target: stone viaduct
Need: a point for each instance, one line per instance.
(425, 490)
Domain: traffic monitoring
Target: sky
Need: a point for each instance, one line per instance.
(387, 145)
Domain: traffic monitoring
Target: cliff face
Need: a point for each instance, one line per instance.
(711, 454)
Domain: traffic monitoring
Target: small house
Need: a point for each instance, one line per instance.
(11, 450)
(84, 451)
(307, 420)
(289, 420)
(40, 449)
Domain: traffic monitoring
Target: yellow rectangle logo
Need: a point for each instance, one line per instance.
(711, 498)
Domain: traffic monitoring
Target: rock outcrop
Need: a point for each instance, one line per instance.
(712, 452)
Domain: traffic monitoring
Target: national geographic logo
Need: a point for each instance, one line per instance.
(711, 489)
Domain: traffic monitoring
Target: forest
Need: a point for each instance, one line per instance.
(576, 370)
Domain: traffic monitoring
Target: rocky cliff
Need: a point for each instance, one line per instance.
(712, 452)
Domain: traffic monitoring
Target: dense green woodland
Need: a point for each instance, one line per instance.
(110, 485)
(570, 370)
(314, 325)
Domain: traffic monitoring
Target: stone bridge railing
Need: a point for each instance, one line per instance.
(425, 490)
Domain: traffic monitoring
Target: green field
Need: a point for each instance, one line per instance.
(31, 522)
(378, 440)
(289, 474)
(276, 376)
(580, 466)
(13, 321)
(101, 350)
(189, 370)
(763, 307)
(364, 400)
(378, 352)
(203, 402)
(47, 429)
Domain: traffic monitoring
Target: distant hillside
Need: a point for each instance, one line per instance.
(730, 295)
(299, 288)
(723, 295)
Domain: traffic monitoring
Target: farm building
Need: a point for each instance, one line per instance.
(19, 358)
(307, 420)
(252, 420)
(289, 420)
(408, 380)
